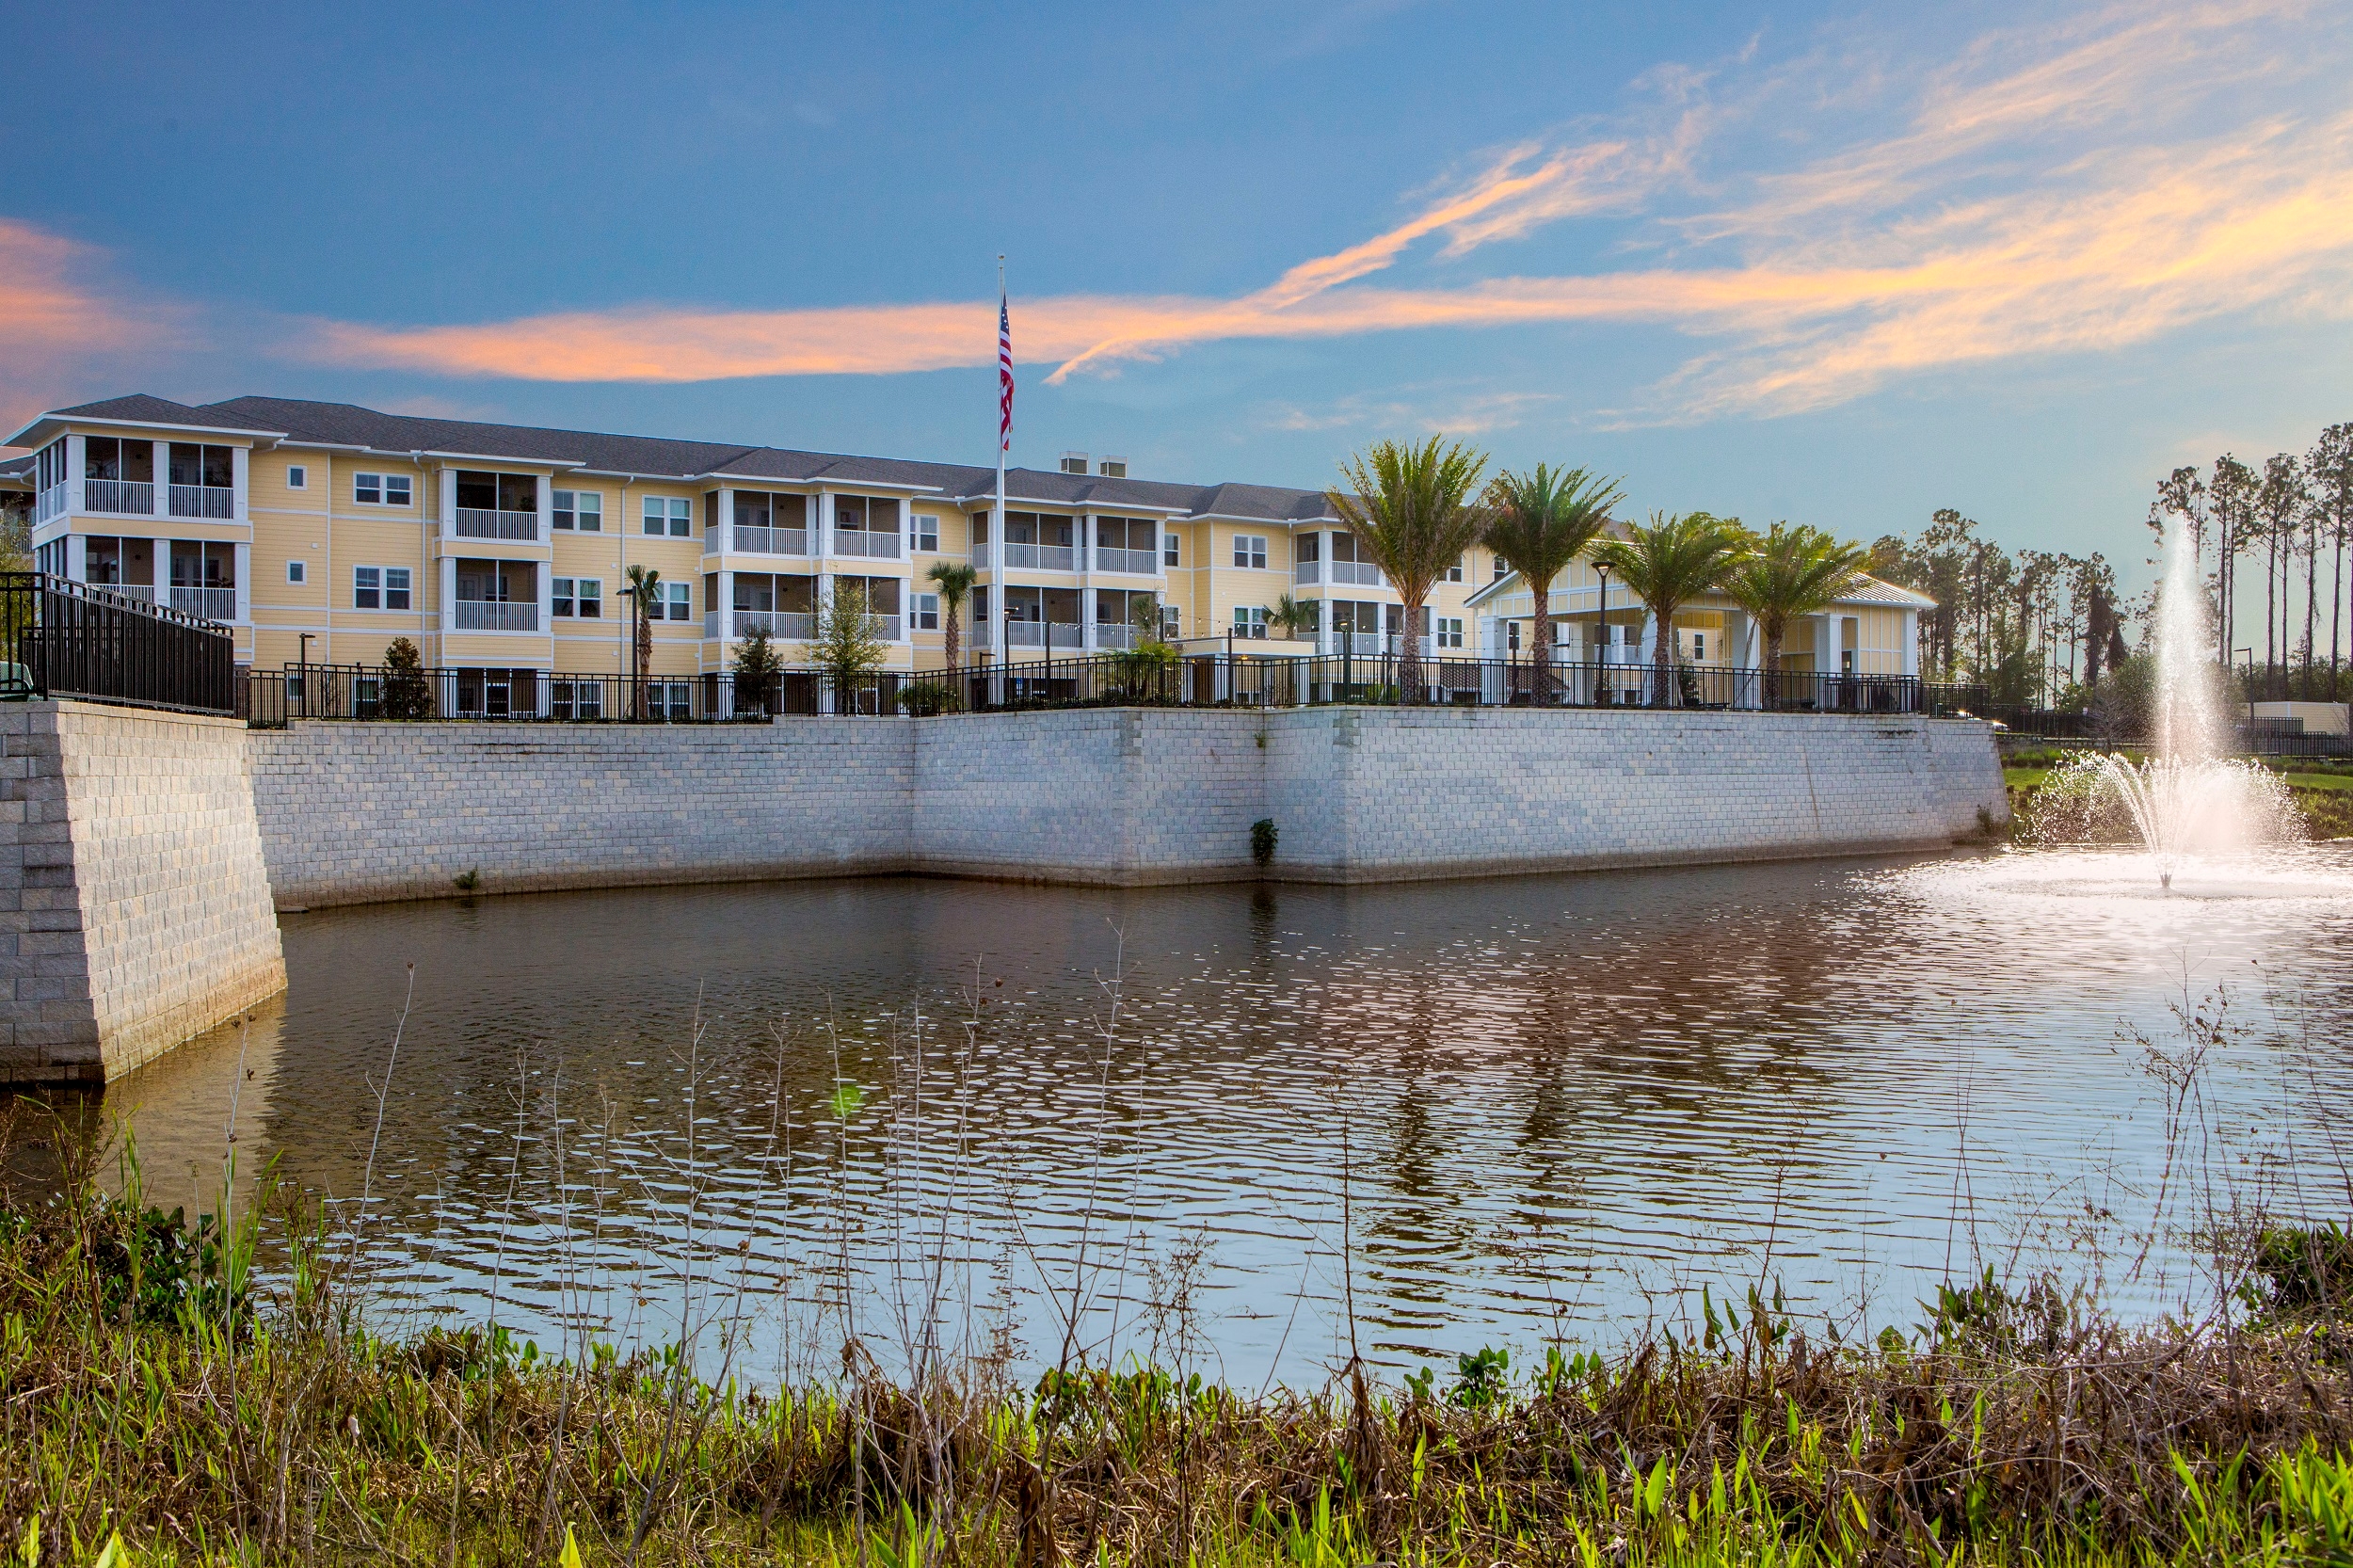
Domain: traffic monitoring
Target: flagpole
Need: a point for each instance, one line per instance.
(997, 522)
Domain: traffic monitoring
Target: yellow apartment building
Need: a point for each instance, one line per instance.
(321, 531)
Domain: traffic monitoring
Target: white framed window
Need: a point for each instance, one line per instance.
(1699, 645)
(1449, 632)
(380, 489)
(927, 612)
(396, 588)
(1250, 620)
(672, 518)
(578, 597)
(297, 572)
(1249, 551)
(367, 587)
(297, 477)
(1455, 572)
(680, 597)
(924, 530)
(1171, 623)
(1503, 568)
(582, 510)
(1168, 549)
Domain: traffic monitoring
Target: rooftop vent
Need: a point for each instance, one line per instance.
(1114, 467)
(1074, 462)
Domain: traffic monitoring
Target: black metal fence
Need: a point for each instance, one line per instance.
(1206, 678)
(65, 638)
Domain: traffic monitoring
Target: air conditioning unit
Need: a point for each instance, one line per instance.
(1113, 468)
(1074, 462)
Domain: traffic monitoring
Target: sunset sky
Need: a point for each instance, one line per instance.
(1839, 265)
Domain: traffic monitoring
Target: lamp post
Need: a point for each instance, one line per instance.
(1601, 633)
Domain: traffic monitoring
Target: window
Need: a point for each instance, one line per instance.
(1250, 620)
(925, 532)
(1249, 551)
(590, 593)
(670, 699)
(575, 699)
(1168, 549)
(582, 510)
(297, 572)
(1503, 568)
(674, 517)
(367, 587)
(561, 598)
(682, 600)
(380, 489)
(298, 477)
(396, 588)
(1699, 645)
(1449, 633)
(1171, 623)
(1455, 572)
(927, 612)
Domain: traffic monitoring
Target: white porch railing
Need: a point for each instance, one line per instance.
(477, 522)
(143, 592)
(130, 498)
(1143, 562)
(873, 545)
(890, 628)
(1114, 635)
(205, 604)
(50, 503)
(478, 614)
(796, 625)
(745, 540)
(1362, 573)
(200, 501)
(1308, 571)
(1043, 557)
(1039, 634)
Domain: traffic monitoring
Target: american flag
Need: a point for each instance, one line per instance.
(1005, 377)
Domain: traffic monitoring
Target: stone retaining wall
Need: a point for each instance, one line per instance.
(134, 909)
(355, 813)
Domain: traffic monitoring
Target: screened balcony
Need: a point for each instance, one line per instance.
(119, 476)
(203, 482)
(497, 506)
(496, 596)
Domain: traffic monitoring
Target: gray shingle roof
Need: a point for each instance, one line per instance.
(349, 425)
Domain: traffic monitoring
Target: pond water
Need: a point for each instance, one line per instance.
(1249, 1127)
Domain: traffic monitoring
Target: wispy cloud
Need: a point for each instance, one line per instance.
(2089, 185)
(57, 315)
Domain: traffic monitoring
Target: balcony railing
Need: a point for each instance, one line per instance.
(218, 605)
(478, 522)
(1036, 633)
(481, 614)
(200, 501)
(866, 542)
(1308, 571)
(130, 498)
(747, 539)
(792, 625)
(1363, 573)
(890, 628)
(1145, 563)
(1114, 635)
(143, 593)
(1043, 557)
(50, 503)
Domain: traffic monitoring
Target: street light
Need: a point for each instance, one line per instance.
(1601, 632)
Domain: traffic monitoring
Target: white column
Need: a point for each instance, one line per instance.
(1911, 634)
(544, 571)
(76, 465)
(1087, 616)
(547, 519)
(238, 467)
(726, 608)
(821, 526)
(448, 518)
(449, 596)
(244, 569)
(77, 558)
(161, 495)
(724, 538)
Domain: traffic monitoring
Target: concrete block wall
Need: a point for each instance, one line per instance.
(359, 814)
(135, 907)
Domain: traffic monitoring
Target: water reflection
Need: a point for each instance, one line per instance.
(1487, 1110)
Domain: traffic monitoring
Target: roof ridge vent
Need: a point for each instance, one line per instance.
(1074, 462)
(1111, 467)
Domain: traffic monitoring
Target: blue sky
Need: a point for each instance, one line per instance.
(1840, 264)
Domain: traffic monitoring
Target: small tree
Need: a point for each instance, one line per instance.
(955, 581)
(845, 647)
(407, 694)
(758, 665)
(645, 601)
(1790, 573)
(1410, 508)
(1667, 564)
(1537, 524)
(1291, 614)
(1140, 667)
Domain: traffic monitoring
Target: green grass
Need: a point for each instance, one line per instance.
(157, 1388)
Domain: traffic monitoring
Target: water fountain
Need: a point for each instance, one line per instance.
(2186, 804)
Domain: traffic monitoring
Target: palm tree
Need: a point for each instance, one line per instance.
(644, 597)
(1411, 509)
(1291, 615)
(1790, 573)
(1668, 563)
(1537, 524)
(955, 581)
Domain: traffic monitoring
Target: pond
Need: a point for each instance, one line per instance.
(1250, 1128)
